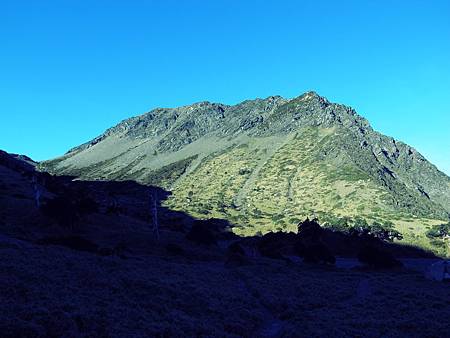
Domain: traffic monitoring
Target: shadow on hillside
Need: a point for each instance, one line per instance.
(135, 200)
(128, 198)
(345, 245)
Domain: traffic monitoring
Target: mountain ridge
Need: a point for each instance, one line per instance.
(252, 161)
(267, 104)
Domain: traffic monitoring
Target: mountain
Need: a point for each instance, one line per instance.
(265, 164)
(85, 253)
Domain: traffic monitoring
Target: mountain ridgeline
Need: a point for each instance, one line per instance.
(265, 164)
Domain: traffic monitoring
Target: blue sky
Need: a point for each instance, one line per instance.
(70, 69)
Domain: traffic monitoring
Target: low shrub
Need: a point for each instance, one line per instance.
(439, 231)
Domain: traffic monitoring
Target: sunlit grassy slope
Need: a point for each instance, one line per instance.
(271, 184)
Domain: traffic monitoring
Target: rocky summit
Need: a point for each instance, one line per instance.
(265, 164)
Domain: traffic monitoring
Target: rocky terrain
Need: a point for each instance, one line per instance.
(265, 164)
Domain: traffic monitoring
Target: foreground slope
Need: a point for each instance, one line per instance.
(55, 292)
(173, 287)
(266, 163)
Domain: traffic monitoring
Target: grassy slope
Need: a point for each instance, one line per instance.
(266, 186)
(260, 184)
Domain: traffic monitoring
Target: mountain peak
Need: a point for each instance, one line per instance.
(311, 95)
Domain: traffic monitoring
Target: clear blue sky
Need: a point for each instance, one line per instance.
(70, 69)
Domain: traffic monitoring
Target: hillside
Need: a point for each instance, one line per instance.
(265, 164)
(106, 274)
